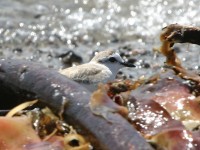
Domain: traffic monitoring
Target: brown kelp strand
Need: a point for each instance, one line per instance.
(175, 33)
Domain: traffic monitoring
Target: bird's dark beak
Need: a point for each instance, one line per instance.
(126, 64)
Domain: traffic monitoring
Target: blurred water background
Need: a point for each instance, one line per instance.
(46, 30)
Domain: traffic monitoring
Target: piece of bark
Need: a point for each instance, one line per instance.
(175, 33)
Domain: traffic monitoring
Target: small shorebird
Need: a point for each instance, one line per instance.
(102, 68)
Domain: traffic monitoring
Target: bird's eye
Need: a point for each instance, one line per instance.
(112, 59)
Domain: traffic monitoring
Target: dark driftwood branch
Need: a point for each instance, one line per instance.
(52, 88)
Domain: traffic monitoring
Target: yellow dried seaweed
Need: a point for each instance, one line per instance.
(20, 107)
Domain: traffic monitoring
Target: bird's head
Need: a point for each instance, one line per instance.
(111, 59)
